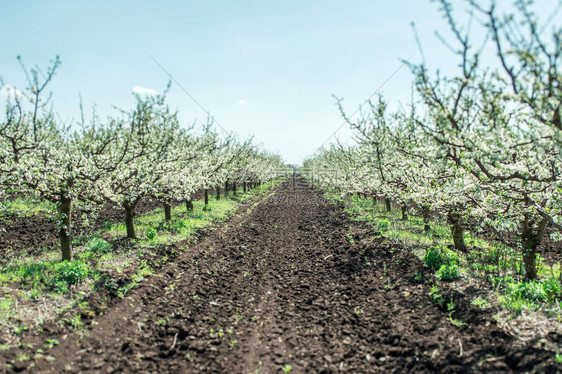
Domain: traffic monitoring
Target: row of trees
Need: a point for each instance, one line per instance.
(482, 145)
(118, 161)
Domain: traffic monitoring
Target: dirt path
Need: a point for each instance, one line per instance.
(288, 285)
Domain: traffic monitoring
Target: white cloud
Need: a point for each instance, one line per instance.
(143, 91)
(242, 102)
(11, 92)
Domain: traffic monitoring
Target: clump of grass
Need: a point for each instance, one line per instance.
(531, 294)
(437, 256)
(448, 272)
(151, 233)
(443, 260)
(98, 245)
(52, 276)
(180, 225)
(68, 273)
(26, 206)
(382, 223)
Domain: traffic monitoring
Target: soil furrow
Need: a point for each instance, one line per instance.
(295, 284)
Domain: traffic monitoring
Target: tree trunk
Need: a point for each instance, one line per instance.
(457, 230)
(530, 260)
(65, 233)
(206, 198)
(226, 188)
(530, 240)
(234, 188)
(129, 215)
(219, 192)
(404, 212)
(374, 201)
(425, 214)
(244, 184)
(388, 205)
(167, 211)
(189, 205)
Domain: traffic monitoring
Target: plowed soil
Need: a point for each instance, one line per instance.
(293, 285)
(30, 235)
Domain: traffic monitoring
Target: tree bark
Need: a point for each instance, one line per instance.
(530, 240)
(218, 192)
(404, 212)
(206, 198)
(129, 215)
(226, 188)
(167, 211)
(65, 233)
(457, 230)
(189, 205)
(244, 184)
(425, 214)
(388, 205)
(234, 188)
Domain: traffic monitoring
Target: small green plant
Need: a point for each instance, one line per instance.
(287, 368)
(451, 306)
(481, 303)
(437, 256)
(23, 357)
(50, 343)
(456, 322)
(418, 277)
(383, 224)
(98, 245)
(531, 294)
(75, 322)
(180, 225)
(447, 272)
(68, 273)
(436, 294)
(237, 315)
(151, 233)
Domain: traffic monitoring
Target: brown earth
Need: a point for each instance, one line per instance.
(297, 283)
(30, 235)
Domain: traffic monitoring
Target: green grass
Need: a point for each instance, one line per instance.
(152, 230)
(52, 276)
(62, 285)
(495, 263)
(25, 207)
(409, 232)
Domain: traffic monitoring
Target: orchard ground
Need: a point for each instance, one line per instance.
(291, 284)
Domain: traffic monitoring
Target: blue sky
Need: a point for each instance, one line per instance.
(262, 68)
